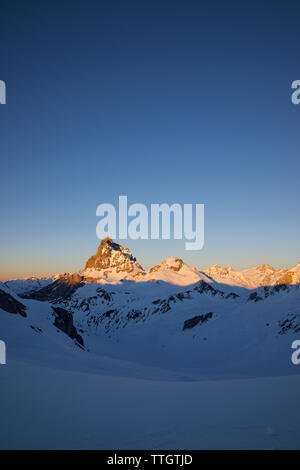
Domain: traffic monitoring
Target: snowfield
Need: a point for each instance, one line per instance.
(43, 407)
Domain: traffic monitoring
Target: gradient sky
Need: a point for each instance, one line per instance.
(164, 101)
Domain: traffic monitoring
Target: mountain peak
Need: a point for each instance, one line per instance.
(113, 259)
(265, 266)
(174, 271)
(169, 263)
(222, 270)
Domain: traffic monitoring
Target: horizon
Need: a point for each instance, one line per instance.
(146, 267)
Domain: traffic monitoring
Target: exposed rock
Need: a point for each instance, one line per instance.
(232, 295)
(105, 295)
(36, 329)
(255, 297)
(165, 307)
(290, 324)
(286, 278)
(64, 321)
(203, 288)
(134, 314)
(192, 322)
(11, 305)
(280, 287)
(109, 313)
(112, 259)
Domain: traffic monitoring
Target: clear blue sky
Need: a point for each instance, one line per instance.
(165, 101)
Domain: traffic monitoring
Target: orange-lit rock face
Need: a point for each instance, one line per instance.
(287, 278)
(112, 256)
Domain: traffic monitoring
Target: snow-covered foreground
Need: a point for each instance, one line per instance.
(54, 395)
(44, 408)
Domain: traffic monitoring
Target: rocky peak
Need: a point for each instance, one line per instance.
(111, 256)
(217, 269)
(175, 264)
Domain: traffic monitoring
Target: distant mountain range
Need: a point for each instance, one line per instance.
(172, 316)
(112, 263)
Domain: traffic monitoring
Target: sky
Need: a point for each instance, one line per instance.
(162, 101)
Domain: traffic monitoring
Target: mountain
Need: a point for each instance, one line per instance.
(112, 262)
(114, 305)
(28, 284)
(263, 275)
(200, 328)
(291, 276)
(226, 275)
(175, 271)
(195, 355)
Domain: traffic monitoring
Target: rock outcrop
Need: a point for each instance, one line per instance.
(198, 319)
(63, 320)
(11, 305)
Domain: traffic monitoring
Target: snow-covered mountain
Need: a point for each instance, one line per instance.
(175, 271)
(113, 301)
(263, 275)
(113, 263)
(112, 337)
(28, 284)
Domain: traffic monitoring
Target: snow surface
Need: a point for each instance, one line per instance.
(46, 407)
(26, 285)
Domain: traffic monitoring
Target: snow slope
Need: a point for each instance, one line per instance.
(44, 408)
(19, 286)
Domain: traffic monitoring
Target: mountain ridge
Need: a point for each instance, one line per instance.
(112, 263)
